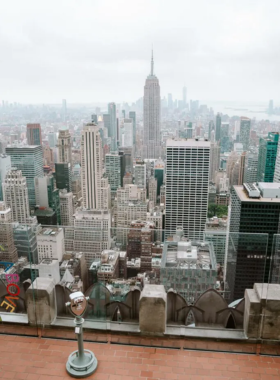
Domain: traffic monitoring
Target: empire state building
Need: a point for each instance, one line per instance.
(151, 140)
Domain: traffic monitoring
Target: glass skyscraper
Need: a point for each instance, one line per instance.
(28, 159)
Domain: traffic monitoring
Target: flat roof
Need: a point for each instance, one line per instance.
(243, 196)
(269, 185)
(187, 143)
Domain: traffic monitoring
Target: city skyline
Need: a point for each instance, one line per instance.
(208, 55)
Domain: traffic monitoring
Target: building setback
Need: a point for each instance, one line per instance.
(151, 114)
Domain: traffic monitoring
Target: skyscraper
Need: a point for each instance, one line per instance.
(5, 166)
(254, 219)
(218, 127)
(187, 182)
(8, 251)
(34, 134)
(113, 170)
(112, 130)
(52, 139)
(63, 176)
(132, 115)
(214, 160)
(28, 159)
(16, 196)
(245, 128)
(91, 169)
(267, 157)
(66, 208)
(151, 138)
(64, 147)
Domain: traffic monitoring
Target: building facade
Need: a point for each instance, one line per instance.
(151, 139)
(64, 146)
(34, 134)
(267, 157)
(16, 196)
(187, 185)
(28, 159)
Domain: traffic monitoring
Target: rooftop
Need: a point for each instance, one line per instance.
(44, 359)
(244, 197)
(174, 142)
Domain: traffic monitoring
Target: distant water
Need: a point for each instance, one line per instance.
(249, 109)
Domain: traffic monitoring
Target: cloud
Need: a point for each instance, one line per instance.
(99, 51)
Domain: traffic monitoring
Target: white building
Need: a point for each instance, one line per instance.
(151, 138)
(5, 166)
(50, 244)
(153, 190)
(15, 193)
(130, 205)
(41, 191)
(92, 171)
(126, 132)
(50, 269)
(8, 251)
(64, 147)
(140, 174)
(91, 233)
(66, 208)
(187, 183)
(214, 159)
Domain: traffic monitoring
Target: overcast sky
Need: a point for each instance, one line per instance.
(99, 50)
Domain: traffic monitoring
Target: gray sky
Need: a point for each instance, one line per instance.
(99, 50)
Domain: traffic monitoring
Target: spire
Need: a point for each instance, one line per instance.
(152, 63)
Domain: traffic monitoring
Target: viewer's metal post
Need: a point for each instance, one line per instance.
(81, 363)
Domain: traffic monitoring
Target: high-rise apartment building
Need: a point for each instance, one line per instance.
(92, 170)
(64, 146)
(253, 221)
(5, 166)
(28, 159)
(187, 183)
(16, 196)
(267, 157)
(113, 170)
(34, 134)
(132, 115)
(151, 138)
(8, 251)
(245, 129)
(218, 127)
(66, 208)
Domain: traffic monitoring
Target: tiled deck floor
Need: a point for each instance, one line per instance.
(44, 359)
